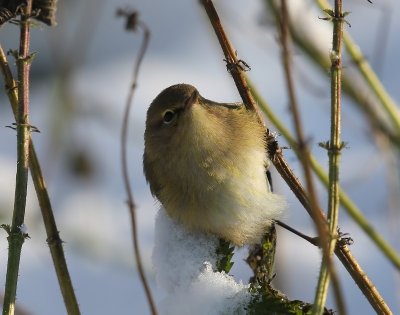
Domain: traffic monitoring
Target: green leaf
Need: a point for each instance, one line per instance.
(224, 256)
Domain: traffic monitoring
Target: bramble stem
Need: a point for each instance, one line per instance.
(334, 147)
(16, 234)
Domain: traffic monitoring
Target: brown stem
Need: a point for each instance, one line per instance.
(125, 172)
(304, 153)
(360, 277)
(233, 63)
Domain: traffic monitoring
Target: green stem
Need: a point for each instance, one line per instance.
(356, 214)
(369, 75)
(334, 146)
(16, 235)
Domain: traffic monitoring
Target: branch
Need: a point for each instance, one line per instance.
(369, 290)
(132, 23)
(388, 104)
(233, 64)
(276, 152)
(53, 238)
(16, 233)
(304, 155)
(334, 147)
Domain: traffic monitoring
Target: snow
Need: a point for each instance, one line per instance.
(183, 261)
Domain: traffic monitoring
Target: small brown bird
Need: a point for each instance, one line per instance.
(206, 163)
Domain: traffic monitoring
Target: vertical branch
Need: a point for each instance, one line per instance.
(333, 146)
(304, 156)
(16, 231)
(132, 24)
(53, 238)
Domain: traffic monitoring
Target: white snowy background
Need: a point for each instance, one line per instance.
(89, 206)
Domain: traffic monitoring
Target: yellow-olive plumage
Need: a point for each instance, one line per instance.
(206, 164)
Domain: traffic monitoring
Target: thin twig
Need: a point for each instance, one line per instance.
(302, 146)
(124, 157)
(53, 238)
(276, 152)
(16, 235)
(305, 156)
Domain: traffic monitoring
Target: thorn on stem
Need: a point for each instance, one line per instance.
(239, 65)
(344, 239)
(329, 147)
(31, 127)
(332, 16)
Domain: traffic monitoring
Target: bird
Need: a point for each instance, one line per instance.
(206, 163)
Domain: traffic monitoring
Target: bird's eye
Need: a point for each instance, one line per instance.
(168, 116)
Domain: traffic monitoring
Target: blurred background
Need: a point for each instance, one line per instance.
(79, 83)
